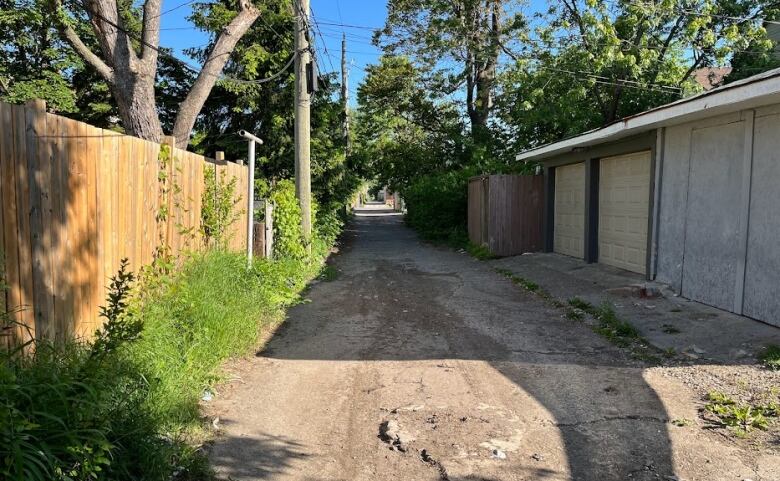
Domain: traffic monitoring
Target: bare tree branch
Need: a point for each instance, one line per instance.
(212, 68)
(150, 36)
(80, 47)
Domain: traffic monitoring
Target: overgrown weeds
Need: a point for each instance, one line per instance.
(740, 418)
(480, 252)
(520, 281)
(77, 410)
(212, 309)
(609, 325)
(770, 357)
(126, 405)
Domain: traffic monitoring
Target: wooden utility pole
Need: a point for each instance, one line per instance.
(345, 93)
(303, 118)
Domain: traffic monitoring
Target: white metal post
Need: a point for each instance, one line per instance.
(250, 195)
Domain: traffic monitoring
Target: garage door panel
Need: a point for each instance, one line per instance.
(762, 267)
(712, 220)
(569, 228)
(624, 187)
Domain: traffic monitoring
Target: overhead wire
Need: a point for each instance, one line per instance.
(324, 44)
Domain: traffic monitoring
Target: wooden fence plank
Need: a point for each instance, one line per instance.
(139, 162)
(26, 309)
(10, 225)
(97, 288)
(38, 179)
(57, 229)
(106, 204)
(102, 250)
(6, 332)
(69, 235)
(78, 163)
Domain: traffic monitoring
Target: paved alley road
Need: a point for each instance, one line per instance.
(479, 379)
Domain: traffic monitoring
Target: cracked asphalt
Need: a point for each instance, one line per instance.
(484, 380)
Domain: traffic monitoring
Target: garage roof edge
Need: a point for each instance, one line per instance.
(745, 93)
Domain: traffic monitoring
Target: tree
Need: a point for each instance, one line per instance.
(471, 33)
(34, 62)
(593, 62)
(267, 108)
(129, 46)
(403, 130)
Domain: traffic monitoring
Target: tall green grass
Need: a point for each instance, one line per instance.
(213, 309)
(131, 412)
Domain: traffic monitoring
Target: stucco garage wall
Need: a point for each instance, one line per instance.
(762, 271)
(719, 222)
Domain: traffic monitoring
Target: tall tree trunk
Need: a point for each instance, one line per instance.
(481, 68)
(135, 98)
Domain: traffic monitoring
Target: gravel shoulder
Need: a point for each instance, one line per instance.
(420, 363)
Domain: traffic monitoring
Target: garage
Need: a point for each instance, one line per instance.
(569, 229)
(684, 195)
(624, 200)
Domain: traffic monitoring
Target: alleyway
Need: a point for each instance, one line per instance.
(483, 380)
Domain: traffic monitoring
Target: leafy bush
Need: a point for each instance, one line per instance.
(288, 239)
(328, 225)
(437, 206)
(219, 208)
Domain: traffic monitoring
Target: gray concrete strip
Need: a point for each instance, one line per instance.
(701, 331)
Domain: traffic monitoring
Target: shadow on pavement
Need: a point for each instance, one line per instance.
(397, 300)
(256, 457)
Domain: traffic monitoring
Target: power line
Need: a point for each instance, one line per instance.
(324, 44)
(188, 2)
(346, 25)
(341, 19)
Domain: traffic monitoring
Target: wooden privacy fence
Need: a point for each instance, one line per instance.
(505, 213)
(77, 199)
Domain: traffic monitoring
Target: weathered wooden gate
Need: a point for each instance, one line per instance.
(505, 213)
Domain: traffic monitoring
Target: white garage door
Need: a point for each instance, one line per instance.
(624, 193)
(569, 230)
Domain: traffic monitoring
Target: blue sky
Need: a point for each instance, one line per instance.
(177, 33)
(356, 16)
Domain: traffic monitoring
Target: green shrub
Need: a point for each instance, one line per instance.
(288, 239)
(436, 206)
(328, 225)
